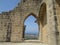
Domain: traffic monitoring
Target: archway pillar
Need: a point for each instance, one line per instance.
(51, 25)
(40, 30)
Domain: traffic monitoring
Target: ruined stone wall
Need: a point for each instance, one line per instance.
(51, 25)
(19, 15)
(4, 21)
(12, 23)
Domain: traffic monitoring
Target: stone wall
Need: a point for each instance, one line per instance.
(12, 23)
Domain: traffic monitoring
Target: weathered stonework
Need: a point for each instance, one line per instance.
(47, 13)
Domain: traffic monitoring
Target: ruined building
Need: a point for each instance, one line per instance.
(47, 13)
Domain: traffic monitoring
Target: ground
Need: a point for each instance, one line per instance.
(22, 44)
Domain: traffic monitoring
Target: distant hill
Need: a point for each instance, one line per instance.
(31, 36)
(31, 33)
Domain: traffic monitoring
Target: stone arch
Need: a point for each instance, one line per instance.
(43, 22)
(42, 9)
(42, 13)
(31, 14)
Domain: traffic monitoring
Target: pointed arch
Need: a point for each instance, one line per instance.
(42, 21)
(30, 15)
(35, 17)
(43, 14)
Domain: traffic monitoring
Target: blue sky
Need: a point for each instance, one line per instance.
(31, 26)
(6, 5)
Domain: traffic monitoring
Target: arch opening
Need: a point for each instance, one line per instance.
(31, 30)
(43, 22)
(43, 15)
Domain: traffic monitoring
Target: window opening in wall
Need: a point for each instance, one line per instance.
(31, 31)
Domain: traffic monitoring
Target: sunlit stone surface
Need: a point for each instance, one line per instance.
(47, 13)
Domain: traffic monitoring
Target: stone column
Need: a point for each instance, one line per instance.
(40, 31)
(51, 24)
